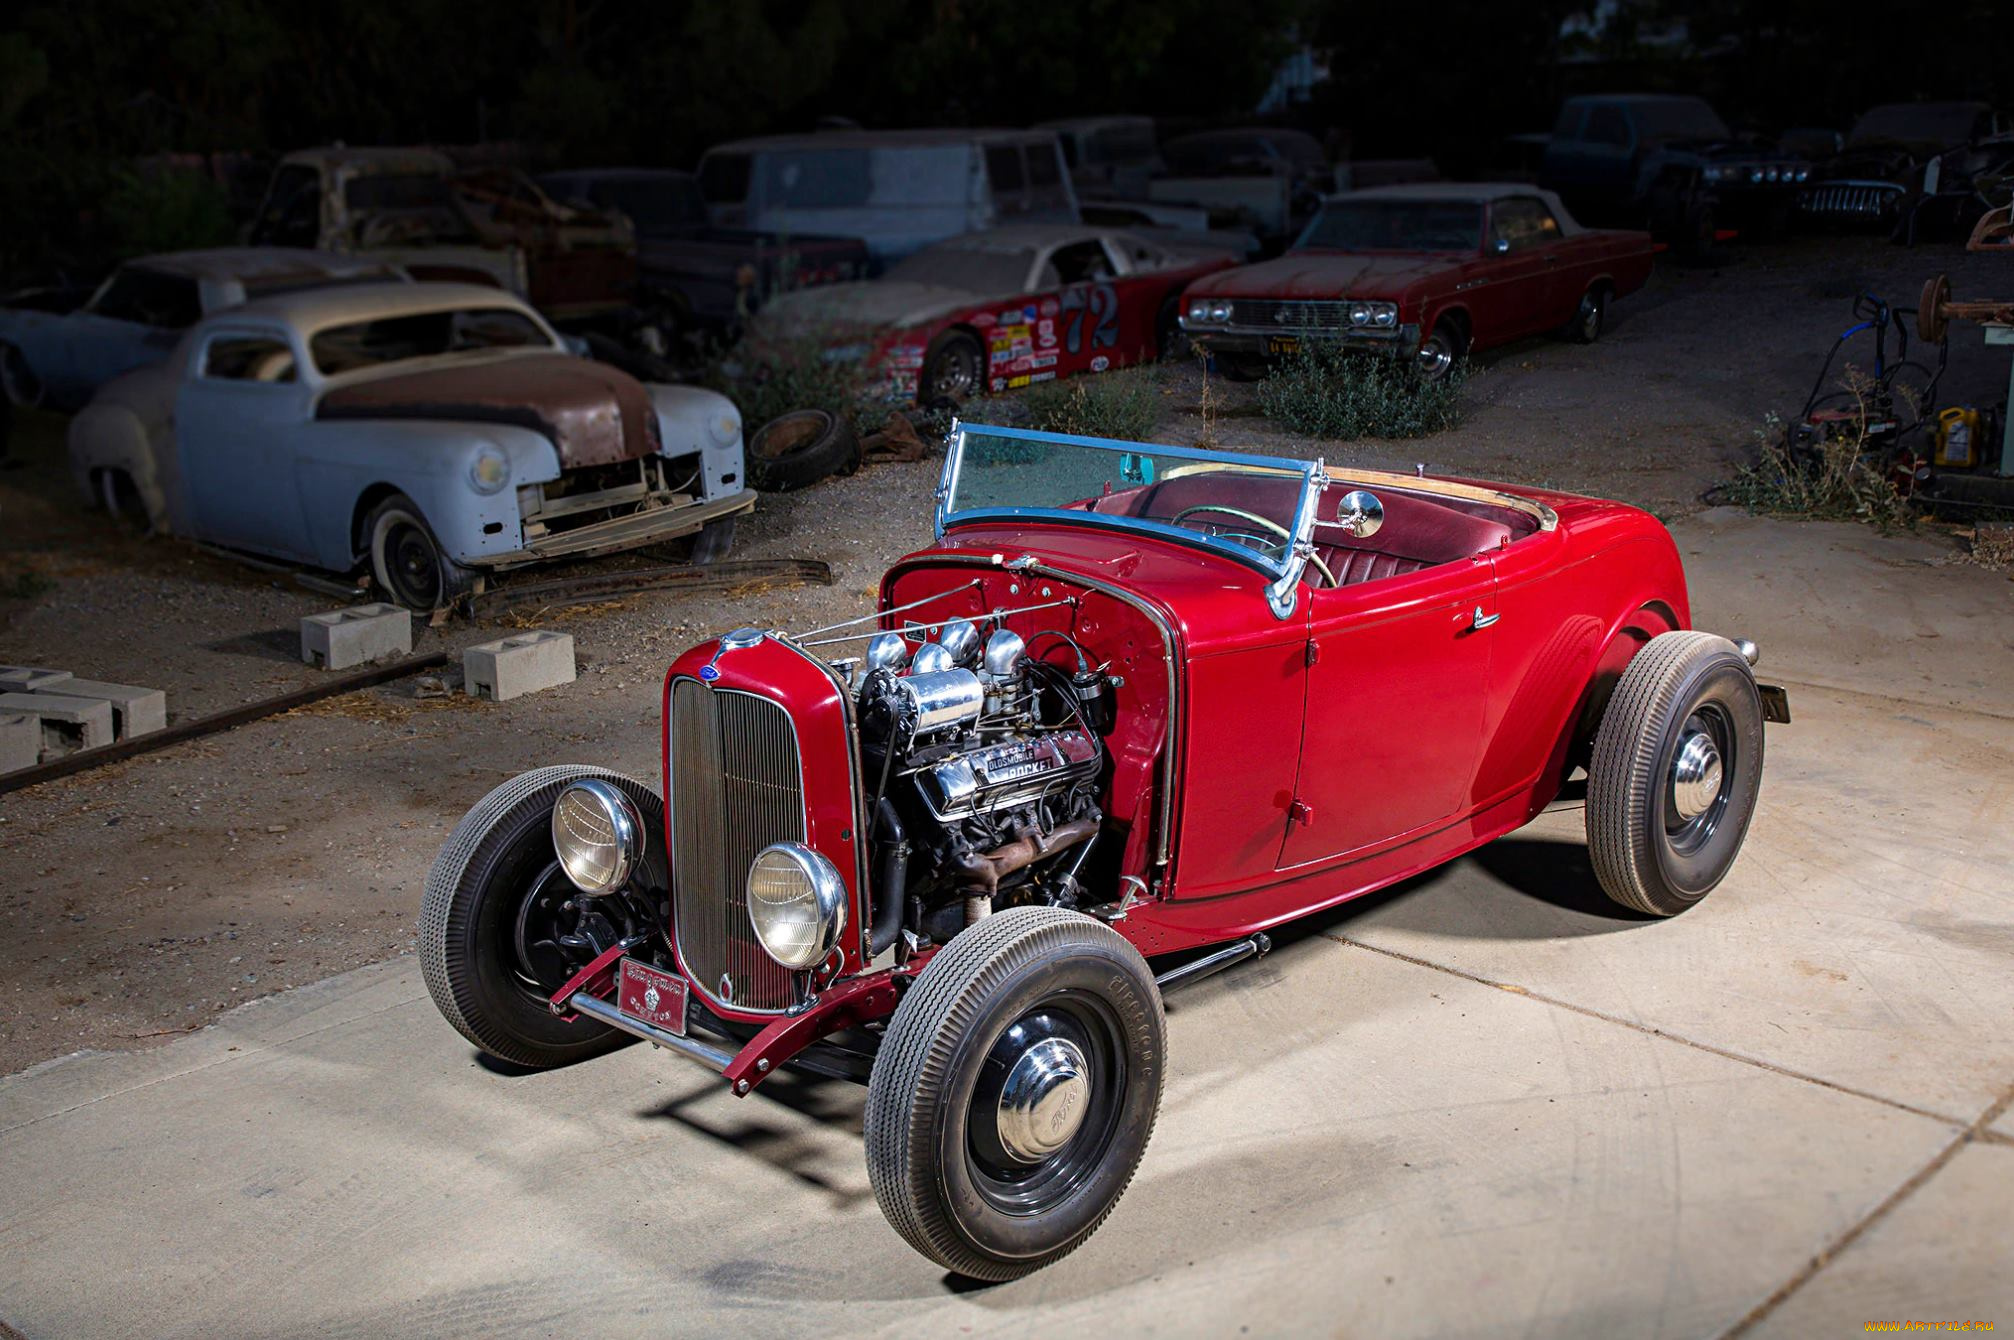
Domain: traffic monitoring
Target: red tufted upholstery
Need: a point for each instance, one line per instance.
(1418, 533)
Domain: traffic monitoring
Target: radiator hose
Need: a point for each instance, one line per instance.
(891, 879)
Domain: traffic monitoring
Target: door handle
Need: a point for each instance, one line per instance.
(1481, 620)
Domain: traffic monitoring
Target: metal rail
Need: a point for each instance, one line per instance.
(1195, 970)
(218, 721)
(580, 1002)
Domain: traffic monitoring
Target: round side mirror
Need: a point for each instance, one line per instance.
(1360, 513)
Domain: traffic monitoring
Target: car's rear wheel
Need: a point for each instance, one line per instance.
(502, 928)
(1676, 768)
(1591, 317)
(407, 560)
(1015, 1091)
(954, 369)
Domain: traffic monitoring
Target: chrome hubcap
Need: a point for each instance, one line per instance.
(1695, 775)
(1435, 359)
(1044, 1099)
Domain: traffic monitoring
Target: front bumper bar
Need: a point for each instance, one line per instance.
(1398, 342)
(622, 532)
(594, 1007)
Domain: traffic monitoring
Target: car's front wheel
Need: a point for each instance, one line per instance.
(1443, 348)
(1591, 317)
(1676, 768)
(502, 928)
(407, 560)
(1015, 1091)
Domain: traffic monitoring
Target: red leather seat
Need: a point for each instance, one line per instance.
(1418, 533)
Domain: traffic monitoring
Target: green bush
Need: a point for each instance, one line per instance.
(1121, 404)
(775, 375)
(166, 210)
(1323, 391)
(1829, 476)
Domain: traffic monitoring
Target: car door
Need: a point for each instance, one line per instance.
(237, 424)
(1092, 318)
(1398, 670)
(1524, 278)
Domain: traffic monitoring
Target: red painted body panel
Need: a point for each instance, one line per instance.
(1038, 337)
(1266, 768)
(1502, 297)
(827, 754)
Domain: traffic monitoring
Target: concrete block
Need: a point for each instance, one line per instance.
(135, 711)
(519, 664)
(29, 678)
(20, 743)
(68, 724)
(362, 633)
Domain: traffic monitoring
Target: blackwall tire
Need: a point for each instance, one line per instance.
(1658, 842)
(1030, 984)
(800, 448)
(1590, 319)
(1442, 351)
(954, 369)
(406, 558)
(474, 894)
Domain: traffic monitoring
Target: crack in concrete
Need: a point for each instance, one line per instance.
(1971, 1132)
(1649, 1030)
(1974, 1133)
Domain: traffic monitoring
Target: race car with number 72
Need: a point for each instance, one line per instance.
(1137, 707)
(1001, 309)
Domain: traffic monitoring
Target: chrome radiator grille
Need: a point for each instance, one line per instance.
(735, 787)
(1290, 314)
(1850, 199)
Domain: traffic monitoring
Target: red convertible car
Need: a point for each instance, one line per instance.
(1136, 701)
(1433, 271)
(1002, 309)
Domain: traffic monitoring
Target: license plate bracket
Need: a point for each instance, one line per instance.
(651, 996)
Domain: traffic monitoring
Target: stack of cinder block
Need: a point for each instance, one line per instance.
(46, 713)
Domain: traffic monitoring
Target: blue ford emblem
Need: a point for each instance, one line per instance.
(709, 672)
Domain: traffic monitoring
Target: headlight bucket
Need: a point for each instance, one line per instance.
(489, 470)
(796, 904)
(598, 835)
(725, 427)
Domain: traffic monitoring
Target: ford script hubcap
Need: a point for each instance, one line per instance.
(1695, 775)
(1043, 1101)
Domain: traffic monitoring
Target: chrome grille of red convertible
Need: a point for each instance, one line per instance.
(735, 787)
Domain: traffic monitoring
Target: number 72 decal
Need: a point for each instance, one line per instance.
(1102, 301)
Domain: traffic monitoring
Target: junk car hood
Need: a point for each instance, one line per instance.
(1886, 162)
(880, 303)
(593, 414)
(1329, 274)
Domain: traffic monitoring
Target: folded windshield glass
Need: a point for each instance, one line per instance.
(1247, 506)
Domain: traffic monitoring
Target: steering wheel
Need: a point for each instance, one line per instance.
(1273, 528)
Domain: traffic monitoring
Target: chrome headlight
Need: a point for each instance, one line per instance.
(1199, 310)
(1384, 314)
(796, 903)
(1220, 310)
(1360, 315)
(489, 470)
(1755, 174)
(725, 427)
(597, 833)
(1804, 174)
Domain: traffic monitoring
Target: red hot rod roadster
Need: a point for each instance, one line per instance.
(1137, 700)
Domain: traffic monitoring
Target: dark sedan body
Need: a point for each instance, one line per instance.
(1427, 271)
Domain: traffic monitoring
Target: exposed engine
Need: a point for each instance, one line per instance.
(984, 763)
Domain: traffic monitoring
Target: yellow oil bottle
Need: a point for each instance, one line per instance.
(1956, 440)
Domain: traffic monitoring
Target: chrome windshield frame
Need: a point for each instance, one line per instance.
(1284, 575)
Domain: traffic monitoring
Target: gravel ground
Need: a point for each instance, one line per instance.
(139, 900)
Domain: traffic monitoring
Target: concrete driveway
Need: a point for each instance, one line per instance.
(1483, 1103)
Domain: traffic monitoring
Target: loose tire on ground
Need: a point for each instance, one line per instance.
(406, 559)
(474, 894)
(936, 1144)
(800, 448)
(1657, 845)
